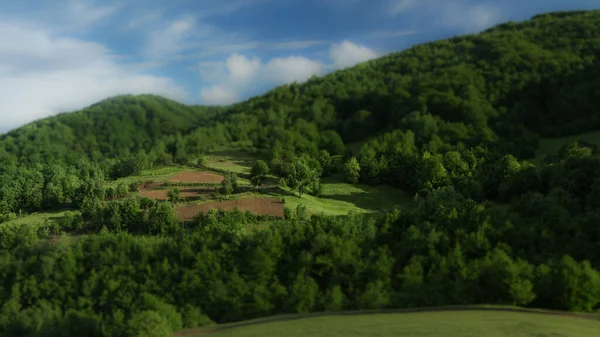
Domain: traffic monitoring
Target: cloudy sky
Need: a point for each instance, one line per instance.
(64, 55)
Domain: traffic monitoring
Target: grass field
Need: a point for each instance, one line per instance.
(340, 198)
(36, 219)
(552, 145)
(158, 174)
(464, 323)
(234, 160)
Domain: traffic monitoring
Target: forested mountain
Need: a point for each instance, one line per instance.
(448, 122)
(118, 127)
(506, 86)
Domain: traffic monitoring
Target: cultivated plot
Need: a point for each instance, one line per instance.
(196, 177)
(261, 206)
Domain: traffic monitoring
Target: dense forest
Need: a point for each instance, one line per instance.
(452, 122)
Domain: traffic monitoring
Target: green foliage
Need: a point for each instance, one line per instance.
(303, 175)
(148, 324)
(174, 195)
(352, 170)
(227, 186)
(259, 173)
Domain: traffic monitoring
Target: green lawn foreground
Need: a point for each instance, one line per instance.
(470, 323)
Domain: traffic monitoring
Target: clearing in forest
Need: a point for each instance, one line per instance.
(196, 177)
(231, 159)
(339, 198)
(262, 206)
(552, 145)
(38, 218)
(452, 323)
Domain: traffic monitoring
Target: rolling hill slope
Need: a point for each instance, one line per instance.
(411, 165)
(115, 127)
(506, 86)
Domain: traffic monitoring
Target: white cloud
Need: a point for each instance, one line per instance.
(81, 14)
(144, 19)
(44, 75)
(211, 70)
(214, 47)
(348, 54)
(169, 40)
(242, 68)
(289, 69)
(218, 95)
(386, 34)
(240, 74)
(399, 6)
(470, 18)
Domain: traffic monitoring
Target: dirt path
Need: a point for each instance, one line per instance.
(280, 318)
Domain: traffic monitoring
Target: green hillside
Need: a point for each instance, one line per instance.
(115, 128)
(402, 182)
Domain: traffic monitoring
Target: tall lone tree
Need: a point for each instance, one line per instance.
(303, 177)
(352, 170)
(259, 173)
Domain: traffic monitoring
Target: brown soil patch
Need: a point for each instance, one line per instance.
(155, 194)
(263, 206)
(186, 192)
(197, 177)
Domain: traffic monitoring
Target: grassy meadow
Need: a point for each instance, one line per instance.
(338, 197)
(468, 323)
(38, 218)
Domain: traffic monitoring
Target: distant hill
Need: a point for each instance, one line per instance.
(111, 128)
(503, 88)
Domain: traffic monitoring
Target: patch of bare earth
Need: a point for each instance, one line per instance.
(196, 177)
(262, 206)
(186, 192)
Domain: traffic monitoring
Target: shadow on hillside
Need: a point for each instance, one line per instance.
(553, 106)
(56, 218)
(237, 157)
(275, 191)
(370, 200)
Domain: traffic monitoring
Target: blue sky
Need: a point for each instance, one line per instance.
(63, 55)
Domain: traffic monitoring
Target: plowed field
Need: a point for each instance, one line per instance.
(196, 177)
(263, 206)
(188, 192)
